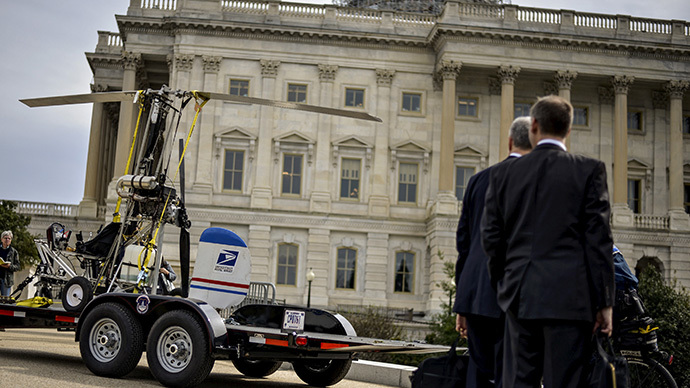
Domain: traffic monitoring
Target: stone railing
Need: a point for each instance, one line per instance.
(512, 16)
(47, 209)
(167, 5)
(595, 20)
(538, 15)
(109, 42)
(649, 221)
(476, 10)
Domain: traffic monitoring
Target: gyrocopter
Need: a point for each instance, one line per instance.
(116, 318)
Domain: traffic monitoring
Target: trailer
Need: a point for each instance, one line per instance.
(183, 337)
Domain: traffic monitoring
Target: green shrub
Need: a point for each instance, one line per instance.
(669, 306)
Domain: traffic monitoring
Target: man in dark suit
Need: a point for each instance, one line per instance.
(478, 316)
(546, 232)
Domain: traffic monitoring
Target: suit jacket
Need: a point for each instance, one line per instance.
(546, 231)
(474, 293)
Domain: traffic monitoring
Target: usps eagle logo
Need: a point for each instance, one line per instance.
(226, 261)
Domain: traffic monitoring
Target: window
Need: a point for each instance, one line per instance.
(345, 272)
(462, 176)
(635, 120)
(412, 102)
(686, 124)
(297, 93)
(580, 116)
(407, 182)
(239, 87)
(634, 186)
(287, 264)
(686, 197)
(232, 172)
(522, 109)
(467, 106)
(354, 97)
(349, 178)
(292, 174)
(404, 271)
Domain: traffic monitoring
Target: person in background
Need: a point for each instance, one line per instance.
(478, 316)
(9, 264)
(166, 277)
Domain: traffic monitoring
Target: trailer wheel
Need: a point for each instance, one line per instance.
(178, 350)
(322, 373)
(111, 340)
(256, 368)
(77, 294)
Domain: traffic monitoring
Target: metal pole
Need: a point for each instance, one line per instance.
(309, 295)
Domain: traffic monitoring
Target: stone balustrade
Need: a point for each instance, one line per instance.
(533, 19)
(47, 209)
(649, 221)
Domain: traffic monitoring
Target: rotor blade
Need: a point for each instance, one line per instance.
(184, 261)
(291, 105)
(80, 98)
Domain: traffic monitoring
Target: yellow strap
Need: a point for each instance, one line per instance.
(116, 215)
(198, 97)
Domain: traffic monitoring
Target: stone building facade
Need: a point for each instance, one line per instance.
(372, 208)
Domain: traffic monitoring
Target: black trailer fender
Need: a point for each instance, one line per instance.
(271, 316)
(148, 308)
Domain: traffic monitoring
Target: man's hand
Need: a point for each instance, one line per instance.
(6, 265)
(164, 271)
(461, 325)
(605, 320)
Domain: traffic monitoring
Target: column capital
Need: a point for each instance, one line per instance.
(659, 99)
(384, 76)
(269, 68)
(98, 88)
(130, 60)
(606, 95)
(448, 69)
(564, 79)
(550, 88)
(676, 88)
(494, 86)
(183, 62)
(212, 64)
(327, 72)
(621, 83)
(508, 73)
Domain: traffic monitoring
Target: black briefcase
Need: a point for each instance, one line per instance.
(448, 371)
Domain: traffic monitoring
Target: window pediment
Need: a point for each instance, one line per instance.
(352, 144)
(469, 155)
(235, 137)
(640, 170)
(410, 150)
(293, 141)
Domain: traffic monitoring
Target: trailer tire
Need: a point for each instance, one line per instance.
(256, 368)
(322, 373)
(177, 350)
(77, 293)
(111, 340)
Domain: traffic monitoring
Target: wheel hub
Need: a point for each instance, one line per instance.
(105, 340)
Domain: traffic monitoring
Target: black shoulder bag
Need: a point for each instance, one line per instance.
(608, 370)
(448, 371)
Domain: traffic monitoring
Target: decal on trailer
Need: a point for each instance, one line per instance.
(143, 302)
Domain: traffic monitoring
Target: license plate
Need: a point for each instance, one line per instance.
(293, 320)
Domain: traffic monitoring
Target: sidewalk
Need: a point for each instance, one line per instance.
(373, 372)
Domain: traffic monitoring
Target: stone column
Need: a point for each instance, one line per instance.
(507, 75)
(377, 275)
(564, 80)
(446, 203)
(203, 181)
(679, 219)
(320, 201)
(379, 202)
(622, 215)
(88, 207)
(125, 131)
(262, 196)
(259, 243)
